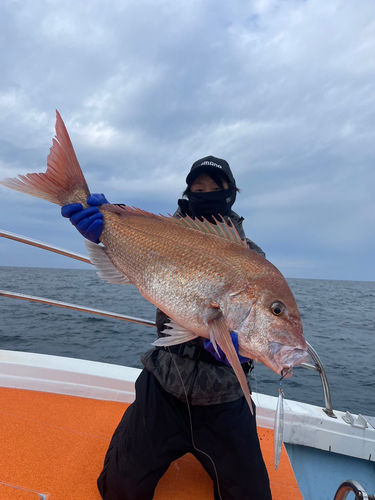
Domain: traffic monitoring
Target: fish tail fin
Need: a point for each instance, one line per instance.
(63, 182)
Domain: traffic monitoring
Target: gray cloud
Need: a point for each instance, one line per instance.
(282, 90)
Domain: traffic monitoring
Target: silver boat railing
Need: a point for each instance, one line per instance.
(75, 307)
(318, 366)
(44, 246)
(352, 486)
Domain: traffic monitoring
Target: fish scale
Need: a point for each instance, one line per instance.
(191, 285)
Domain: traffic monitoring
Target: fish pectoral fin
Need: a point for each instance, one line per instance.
(104, 266)
(216, 314)
(177, 334)
(220, 334)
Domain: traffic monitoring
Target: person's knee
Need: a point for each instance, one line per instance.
(115, 484)
(126, 480)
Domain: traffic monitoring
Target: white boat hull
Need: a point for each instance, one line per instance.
(323, 450)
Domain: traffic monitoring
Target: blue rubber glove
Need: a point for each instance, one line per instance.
(222, 357)
(88, 221)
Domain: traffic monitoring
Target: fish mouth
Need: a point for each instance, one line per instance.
(284, 358)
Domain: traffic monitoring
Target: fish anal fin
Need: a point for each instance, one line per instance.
(220, 333)
(104, 266)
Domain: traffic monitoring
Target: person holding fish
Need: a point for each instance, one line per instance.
(188, 398)
(223, 298)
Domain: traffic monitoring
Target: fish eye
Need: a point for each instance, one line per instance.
(277, 308)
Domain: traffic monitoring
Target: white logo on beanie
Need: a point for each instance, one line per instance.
(211, 164)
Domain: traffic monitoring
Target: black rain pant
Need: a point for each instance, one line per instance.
(155, 431)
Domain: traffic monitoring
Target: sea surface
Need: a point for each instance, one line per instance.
(338, 319)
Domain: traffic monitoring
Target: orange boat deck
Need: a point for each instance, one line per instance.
(53, 447)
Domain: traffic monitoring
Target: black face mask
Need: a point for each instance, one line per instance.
(212, 204)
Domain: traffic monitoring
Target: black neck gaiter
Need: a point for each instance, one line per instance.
(211, 204)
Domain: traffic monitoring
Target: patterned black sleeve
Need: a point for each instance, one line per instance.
(254, 246)
(161, 322)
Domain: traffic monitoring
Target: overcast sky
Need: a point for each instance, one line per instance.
(283, 90)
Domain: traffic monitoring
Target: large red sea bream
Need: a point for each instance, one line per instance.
(202, 275)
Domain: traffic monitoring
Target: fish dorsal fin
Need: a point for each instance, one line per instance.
(224, 229)
(125, 211)
(104, 266)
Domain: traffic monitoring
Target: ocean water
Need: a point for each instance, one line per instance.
(338, 319)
